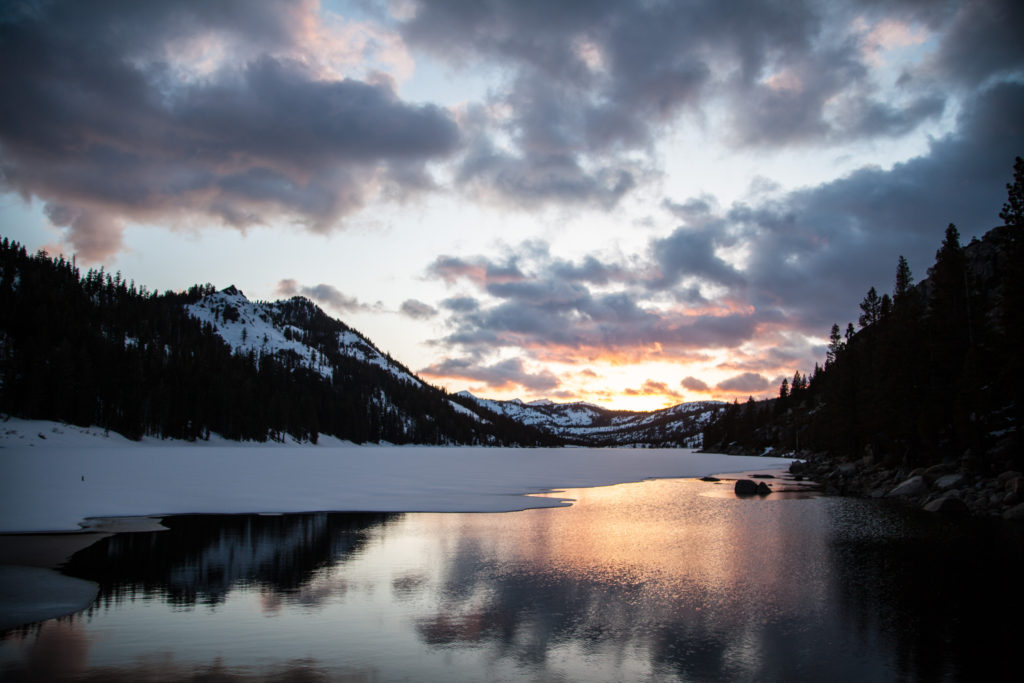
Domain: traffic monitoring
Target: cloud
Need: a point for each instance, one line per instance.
(779, 267)
(572, 310)
(504, 374)
(591, 87)
(416, 309)
(815, 251)
(982, 41)
(694, 384)
(653, 388)
(326, 294)
(131, 111)
(692, 253)
(747, 382)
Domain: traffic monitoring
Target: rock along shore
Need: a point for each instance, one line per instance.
(940, 488)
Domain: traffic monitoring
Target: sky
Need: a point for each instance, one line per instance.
(633, 204)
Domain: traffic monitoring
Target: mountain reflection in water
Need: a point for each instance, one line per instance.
(653, 580)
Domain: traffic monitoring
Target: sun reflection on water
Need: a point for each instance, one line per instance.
(651, 580)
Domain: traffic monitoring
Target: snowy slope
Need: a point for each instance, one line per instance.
(276, 329)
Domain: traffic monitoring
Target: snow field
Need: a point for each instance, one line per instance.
(53, 488)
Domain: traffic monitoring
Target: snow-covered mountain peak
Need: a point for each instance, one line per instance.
(294, 327)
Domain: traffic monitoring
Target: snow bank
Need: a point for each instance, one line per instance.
(19, 432)
(46, 488)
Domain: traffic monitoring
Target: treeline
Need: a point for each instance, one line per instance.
(94, 349)
(932, 372)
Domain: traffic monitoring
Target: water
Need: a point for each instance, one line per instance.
(658, 580)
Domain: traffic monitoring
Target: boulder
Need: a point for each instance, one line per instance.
(948, 481)
(1016, 512)
(947, 504)
(746, 487)
(914, 486)
(938, 470)
(1014, 485)
(1009, 474)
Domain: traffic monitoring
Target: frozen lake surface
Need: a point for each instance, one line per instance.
(658, 580)
(55, 488)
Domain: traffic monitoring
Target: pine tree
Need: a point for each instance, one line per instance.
(904, 281)
(1013, 209)
(885, 310)
(871, 308)
(835, 345)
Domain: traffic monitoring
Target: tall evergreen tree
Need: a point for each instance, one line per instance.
(871, 309)
(835, 345)
(1013, 209)
(904, 281)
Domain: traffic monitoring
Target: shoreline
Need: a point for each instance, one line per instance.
(946, 488)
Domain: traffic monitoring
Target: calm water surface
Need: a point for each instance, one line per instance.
(659, 580)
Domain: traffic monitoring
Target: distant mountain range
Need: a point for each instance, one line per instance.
(586, 423)
(95, 350)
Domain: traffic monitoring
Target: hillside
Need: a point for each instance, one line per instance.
(932, 376)
(95, 350)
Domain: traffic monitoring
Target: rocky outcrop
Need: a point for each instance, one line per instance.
(945, 488)
(748, 487)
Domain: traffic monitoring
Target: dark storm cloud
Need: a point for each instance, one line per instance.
(108, 124)
(502, 374)
(983, 40)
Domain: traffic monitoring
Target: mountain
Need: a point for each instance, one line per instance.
(94, 350)
(587, 424)
(296, 330)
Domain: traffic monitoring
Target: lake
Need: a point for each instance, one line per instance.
(672, 579)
